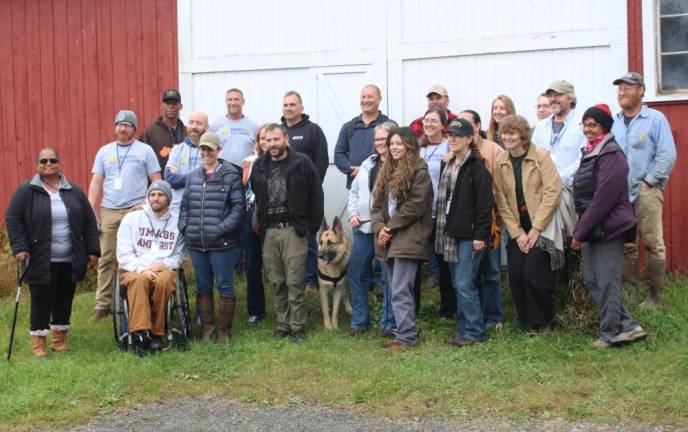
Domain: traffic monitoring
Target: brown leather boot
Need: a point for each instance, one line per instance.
(225, 317)
(631, 274)
(39, 346)
(59, 341)
(206, 307)
(655, 283)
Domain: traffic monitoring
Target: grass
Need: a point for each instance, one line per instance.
(514, 375)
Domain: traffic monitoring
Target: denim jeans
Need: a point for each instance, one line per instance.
(470, 324)
(253, 264)
(358, 274)
(488, 282)
(387, 322)
(217, 265)
(311, 275)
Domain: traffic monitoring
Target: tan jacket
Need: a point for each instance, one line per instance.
(411, 224)
(541, 189)
(489, 150)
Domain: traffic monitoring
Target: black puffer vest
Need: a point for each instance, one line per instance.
(584, 179)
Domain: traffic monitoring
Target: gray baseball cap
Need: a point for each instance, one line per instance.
(631, 78)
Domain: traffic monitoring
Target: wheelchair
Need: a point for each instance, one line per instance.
(177, 320)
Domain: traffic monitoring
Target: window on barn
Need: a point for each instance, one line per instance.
(672, 50)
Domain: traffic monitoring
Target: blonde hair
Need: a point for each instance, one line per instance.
(510, 110)
(395, 176)
(256, 145)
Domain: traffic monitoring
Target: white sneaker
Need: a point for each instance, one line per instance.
(635, 335)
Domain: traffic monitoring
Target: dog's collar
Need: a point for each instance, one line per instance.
(334, 280)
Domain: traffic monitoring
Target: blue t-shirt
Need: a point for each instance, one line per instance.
(237, 137)
(185, 158)
(433, 155)
(125, 170)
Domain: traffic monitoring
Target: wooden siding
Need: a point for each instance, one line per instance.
(675, 212)
(66, 68)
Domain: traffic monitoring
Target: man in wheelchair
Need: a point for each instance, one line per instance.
(149, 249)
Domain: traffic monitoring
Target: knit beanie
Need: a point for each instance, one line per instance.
(162, 186)
(126, 116)
(602, 115)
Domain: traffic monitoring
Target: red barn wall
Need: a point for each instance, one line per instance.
(675, 201)
(66, 68)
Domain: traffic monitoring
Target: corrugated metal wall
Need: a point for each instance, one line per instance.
(67, 66)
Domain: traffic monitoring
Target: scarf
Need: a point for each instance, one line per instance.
(591, 145)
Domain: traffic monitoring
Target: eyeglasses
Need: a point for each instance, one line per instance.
(46, 161)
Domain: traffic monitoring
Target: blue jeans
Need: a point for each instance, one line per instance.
(387, 322)
(215, 265)
(253, 264)
(433, 264)
(358, 274)
(311, 275)
(470, 324)
(488, 282)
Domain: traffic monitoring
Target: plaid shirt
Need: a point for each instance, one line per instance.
(444, 244)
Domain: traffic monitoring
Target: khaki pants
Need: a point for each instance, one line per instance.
(648, 210)
(284, 263)
(107, 264)
(148, 299)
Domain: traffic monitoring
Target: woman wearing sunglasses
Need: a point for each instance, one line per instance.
(50, 221)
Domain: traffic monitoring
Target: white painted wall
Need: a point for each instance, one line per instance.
(327, 50)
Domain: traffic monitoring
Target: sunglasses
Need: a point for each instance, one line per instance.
(45, 161)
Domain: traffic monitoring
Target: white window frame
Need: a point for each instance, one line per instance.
(650, 25)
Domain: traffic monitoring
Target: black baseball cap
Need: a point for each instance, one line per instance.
(171, 94)
(631, 78)
(460, 127)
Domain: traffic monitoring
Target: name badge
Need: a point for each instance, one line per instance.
(446, 211)
(118, 183)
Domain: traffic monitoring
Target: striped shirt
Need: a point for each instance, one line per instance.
(649, 148)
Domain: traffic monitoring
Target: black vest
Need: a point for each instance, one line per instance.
(584, 179)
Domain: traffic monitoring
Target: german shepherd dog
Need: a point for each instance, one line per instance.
(333, 256)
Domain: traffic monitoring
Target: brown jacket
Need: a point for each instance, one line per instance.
(541, 189)
(489, 150)
(411, 225)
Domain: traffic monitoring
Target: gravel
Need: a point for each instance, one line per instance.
(217, 414)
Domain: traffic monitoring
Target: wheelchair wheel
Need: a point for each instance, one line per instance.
(120, 316)
(178, 319)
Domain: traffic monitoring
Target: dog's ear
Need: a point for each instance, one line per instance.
(337, 225)
(324, 226)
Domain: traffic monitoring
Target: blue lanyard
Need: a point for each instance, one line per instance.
(425, 153)
(120, 164)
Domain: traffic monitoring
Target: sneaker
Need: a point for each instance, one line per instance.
(599, 344)
(156, 343)
(461, 341)
(253, 319)
(299, 336)
(635, 335)
(142, 343)
(99, 314)
(396, 346)
(387, 334)
(280, 334)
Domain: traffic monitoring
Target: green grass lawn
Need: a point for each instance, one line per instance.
(514, 375)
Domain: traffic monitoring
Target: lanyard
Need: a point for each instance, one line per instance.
(554, 141)
(425, 153)
(120, 164)
(156, 236)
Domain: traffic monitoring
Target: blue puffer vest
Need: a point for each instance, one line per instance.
(211, 211)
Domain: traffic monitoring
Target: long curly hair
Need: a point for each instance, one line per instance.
(395, 177)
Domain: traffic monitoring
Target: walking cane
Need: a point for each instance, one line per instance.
(20, 279)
